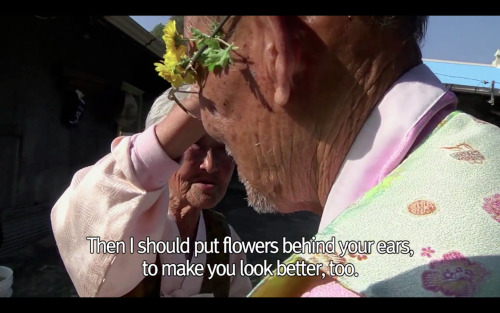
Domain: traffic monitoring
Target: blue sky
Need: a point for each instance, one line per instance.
(150, 21)
(473, 39)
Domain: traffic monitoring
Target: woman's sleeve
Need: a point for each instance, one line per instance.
(107, 209)
(240, 284)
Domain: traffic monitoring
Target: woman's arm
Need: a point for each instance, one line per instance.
(122, 196)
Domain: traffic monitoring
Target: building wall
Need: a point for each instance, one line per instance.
(478, 105)
(43, 61)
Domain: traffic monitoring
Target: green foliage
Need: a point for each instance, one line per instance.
(217, 52)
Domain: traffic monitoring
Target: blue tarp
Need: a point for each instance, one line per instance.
(466, 74)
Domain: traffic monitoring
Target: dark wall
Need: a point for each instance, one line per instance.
(43, 61)
(478, 105)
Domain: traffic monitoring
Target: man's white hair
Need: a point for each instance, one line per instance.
(162, 106)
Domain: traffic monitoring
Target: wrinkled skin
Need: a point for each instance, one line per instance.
(298, 93)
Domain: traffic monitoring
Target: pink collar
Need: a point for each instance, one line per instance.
(416, 100)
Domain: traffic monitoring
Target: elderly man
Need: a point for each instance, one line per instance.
(339, 116)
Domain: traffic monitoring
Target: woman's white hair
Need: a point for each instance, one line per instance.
(162, 106)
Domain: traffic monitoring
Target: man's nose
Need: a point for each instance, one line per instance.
(210, 164)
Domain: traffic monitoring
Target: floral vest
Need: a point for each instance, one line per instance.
(431, 228)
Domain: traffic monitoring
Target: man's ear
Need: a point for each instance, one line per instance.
(278, 57)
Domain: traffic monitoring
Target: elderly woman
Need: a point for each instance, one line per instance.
(126, 203)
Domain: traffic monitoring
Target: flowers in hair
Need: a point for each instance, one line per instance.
(178, 68)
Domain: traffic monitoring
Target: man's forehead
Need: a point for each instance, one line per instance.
(199, 22)
(190, 21)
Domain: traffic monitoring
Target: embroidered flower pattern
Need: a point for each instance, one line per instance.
(465, 152)
(422, 207)
(492, 206)
(359, 256)
(427, 252)
(454, 275)
(325, 259)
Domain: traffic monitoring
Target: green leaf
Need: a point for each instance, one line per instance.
(219, 57)
(213, 55)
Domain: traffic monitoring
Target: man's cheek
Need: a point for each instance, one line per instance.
(226, 173)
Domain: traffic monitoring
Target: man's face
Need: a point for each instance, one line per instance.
(204, 174)
(235, 110)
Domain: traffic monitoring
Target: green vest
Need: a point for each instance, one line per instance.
(431, 228)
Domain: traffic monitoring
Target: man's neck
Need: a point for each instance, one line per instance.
(351, 117)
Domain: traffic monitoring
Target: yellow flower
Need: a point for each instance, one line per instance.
(172, 39)
(171, 70)
(176, 52)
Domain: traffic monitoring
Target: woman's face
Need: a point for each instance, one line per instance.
(204, 174)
